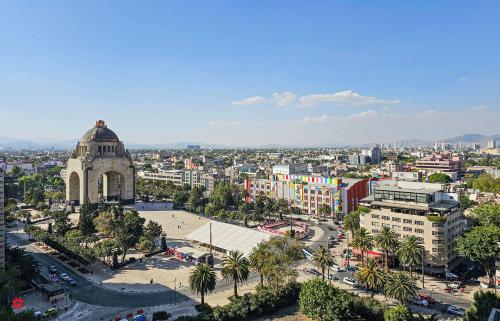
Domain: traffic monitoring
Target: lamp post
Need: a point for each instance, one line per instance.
(423, 255)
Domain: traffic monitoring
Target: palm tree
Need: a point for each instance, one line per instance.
(202, 280)
(259, 258)
(270, 207)
(236, 268)
(322, 258)
(387, 240)
(351, 222)
(410, 252)
(283, 208)
(399, 286)
(363, 241)
(371, 276)
(325, 210)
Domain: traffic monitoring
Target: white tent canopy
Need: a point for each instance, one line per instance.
(229, 237)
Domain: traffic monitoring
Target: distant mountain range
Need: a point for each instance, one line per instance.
(7, 143)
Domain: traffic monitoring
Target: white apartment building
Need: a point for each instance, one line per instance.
(420, 209)
(290, 169)
(180, 177)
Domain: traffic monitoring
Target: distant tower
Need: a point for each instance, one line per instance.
(492, 144)
(100, 169)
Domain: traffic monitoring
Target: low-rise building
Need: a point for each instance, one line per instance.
(180, 177)
(407, 176)
(441, 164)
(290, 169)
(309, 193)
(420, 209)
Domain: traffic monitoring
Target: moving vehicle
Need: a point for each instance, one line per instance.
(350, 281)
(419, 302)
(65, 276)
(53, 269)
(49, 313)
(72, 282)
(337, 268)
(455, 310)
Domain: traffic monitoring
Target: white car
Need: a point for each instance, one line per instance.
(419, 302)
(455, 310)
(455, 285)
(65, 276)
(337, 268)
(350, 281)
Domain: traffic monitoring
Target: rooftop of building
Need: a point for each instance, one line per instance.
(407, 190)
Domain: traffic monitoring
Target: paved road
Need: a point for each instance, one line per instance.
(90, 293)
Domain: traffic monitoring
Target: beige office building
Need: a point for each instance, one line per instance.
(419, 209)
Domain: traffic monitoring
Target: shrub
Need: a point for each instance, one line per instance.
(161, 315)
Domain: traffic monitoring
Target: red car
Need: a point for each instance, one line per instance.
(427, 298)
(340, 236)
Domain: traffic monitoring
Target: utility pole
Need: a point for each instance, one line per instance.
(423, 256)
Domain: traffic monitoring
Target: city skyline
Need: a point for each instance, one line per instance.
(281, 73)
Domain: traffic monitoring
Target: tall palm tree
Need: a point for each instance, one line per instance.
(363, 241)
(259, 258)
(387, 240)
(351, 222)
(410, 252)
(202, 280)
(283, 208)
(325, 210)
(399, 286)
(236, 268)
(371, 276)
(322, 258)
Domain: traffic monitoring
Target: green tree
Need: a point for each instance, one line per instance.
(410, 252)
(371, 276)
(480, 245)
(180, 199)
(486, 214)
(202, 280)
(235, 268)
(196, 200)
(259, 258)
(61, 222)
(363, 241)
(324, 302)
(322, 258)
(387, 240)
(352, 222)
(400, 286)
(481, 306)
(466, 203)
(127, 231)
(104, 250)
(398, 313)
(283, 208)
(103, 222)
(440, 178)
(85, 222)
(486, 183)
(325, 210)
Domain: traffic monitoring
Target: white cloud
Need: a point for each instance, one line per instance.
(346, 97)
(284, 99)
(255, 100)
(477, 108)
(319, 119)
(277, 99)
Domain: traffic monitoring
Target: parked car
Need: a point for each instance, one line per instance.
(49, 313)
(333, 278)
(314, 272)
(427, 298)
(419, 302)
(350, 281)
(65, 276)
(331, 228)
(337, 268)
(455, 285)
(455, 310)
(72, 282)
(353, 269)
(53, 269)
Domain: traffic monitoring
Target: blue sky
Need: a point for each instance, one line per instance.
(259, 72)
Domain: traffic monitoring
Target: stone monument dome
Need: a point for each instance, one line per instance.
(100, 169)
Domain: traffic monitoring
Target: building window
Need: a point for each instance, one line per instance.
(419, 222)
(406, 221)
(419, 230)
(386, 218)
(438, 233)
(407, 229)
(375, 216)
(375, 223)
(437, 224)
(396, 228)
(396, 219)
